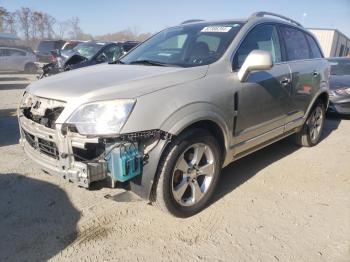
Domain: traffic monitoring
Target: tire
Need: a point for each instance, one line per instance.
(30, 68)
(311, 131)
(186, 183)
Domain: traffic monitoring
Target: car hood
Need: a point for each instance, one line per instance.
(112, 81)
(338, 81)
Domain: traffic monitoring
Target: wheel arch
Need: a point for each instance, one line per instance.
(321, 96)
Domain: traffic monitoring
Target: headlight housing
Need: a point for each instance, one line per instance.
(102, 117)
(342, 91)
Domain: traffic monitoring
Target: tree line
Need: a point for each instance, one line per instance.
(33, 26)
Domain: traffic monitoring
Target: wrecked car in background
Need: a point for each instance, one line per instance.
(86, 54)
(166, 117)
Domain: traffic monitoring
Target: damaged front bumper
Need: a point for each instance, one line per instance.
(53, 151)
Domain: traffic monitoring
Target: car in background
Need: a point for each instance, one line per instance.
(339, 85)
(44, 48)
(86, 54)
(92, 53)
(17, 59)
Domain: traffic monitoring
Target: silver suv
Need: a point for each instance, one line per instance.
(167, 117)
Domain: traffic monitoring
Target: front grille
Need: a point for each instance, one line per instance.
(43, 111)
(43, 146)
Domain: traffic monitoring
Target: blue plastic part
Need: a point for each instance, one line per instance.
(124, 162)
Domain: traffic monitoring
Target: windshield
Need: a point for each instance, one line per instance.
(88, 50)
(340, 66)
(186, 45)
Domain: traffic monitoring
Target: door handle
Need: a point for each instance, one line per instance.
(315, 73)
(285, 81)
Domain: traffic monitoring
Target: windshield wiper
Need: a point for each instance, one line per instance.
(117, 62)
(150, 62)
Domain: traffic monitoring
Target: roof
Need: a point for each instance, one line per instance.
(8, 36)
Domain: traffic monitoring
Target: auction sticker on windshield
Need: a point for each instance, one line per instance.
(216, 29)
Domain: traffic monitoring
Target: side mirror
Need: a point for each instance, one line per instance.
(256, 60)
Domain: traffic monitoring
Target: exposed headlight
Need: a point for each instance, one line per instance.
(342, 91)
(102, 117)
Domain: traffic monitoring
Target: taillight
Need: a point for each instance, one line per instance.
(53, 59)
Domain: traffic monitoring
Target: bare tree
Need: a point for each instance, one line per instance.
(10, 25)
(3, 15)
(75, 28)
(49, 22)
(7, 21)
(63, 27)
(24, 17)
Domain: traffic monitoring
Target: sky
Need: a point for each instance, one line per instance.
(108, 16)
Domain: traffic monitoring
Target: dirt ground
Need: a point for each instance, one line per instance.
(283, 203)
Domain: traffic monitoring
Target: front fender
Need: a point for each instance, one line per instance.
(193, 113)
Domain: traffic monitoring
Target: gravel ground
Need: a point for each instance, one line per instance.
(283, 203)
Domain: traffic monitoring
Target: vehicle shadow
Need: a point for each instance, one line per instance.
(37, 219)
(245, 168)
(9, 130)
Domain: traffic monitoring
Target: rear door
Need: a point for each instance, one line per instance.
(263, 100)
(16, 59)
(305, 61)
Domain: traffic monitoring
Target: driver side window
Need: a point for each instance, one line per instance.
(262, 37)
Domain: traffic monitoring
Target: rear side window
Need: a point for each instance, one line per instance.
(46, 46)
(296, 45)
(15, 52)
(262, 37)
(315, 50)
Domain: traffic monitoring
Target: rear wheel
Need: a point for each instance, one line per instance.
(188, 173)
(311, 132)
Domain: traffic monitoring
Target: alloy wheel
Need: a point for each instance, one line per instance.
(193, 174)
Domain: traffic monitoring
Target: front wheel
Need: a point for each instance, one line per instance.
(311, 131)
(188, 173)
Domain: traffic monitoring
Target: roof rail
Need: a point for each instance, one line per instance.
(262, 14)
(191, 21)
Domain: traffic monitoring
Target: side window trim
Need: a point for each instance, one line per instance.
(316, 43)
(284, 55)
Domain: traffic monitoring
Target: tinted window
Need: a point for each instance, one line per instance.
(186, 45)
(46, 46)
(296, 45)
(315, 50)
(263, 37)
(127, 47)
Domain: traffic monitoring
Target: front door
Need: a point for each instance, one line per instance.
(263, 100)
